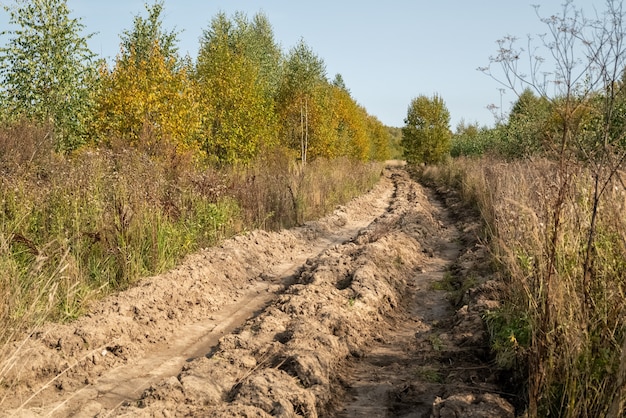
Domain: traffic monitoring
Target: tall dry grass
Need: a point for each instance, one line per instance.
(563, 332)
(277, 191)
(75, 227)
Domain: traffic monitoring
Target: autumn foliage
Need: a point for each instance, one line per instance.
(240, 97)
(149, 95)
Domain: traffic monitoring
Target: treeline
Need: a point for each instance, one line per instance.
(536, 124)
(241, 96)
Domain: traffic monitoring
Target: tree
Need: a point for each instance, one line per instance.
(148, 100)
(257, 38)
(426, 135)
(340, 83)
(465, 140)
(146, 35)
(529, 128)
(47, 70)
(351, 137)
(301, 93)
(380, 139)
(236, 79)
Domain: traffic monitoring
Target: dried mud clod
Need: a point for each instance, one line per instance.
(486, 405)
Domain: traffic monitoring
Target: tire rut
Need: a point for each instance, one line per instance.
(293, 359)
(338, 318)
(380, 382)
(147, 334)
(434, 358)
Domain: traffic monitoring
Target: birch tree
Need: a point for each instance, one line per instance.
(47, 70)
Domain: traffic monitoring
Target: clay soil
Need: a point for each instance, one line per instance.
(373, 311)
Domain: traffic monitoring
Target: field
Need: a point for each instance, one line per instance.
(561, 329)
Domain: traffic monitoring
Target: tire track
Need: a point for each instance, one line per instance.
(337, 318)
(147, 334)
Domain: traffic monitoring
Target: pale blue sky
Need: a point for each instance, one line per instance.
(388, 52)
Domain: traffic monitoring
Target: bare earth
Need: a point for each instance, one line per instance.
(340, 317)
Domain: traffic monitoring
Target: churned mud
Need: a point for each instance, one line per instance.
(365, 313)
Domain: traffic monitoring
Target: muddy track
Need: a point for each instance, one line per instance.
(336, 318)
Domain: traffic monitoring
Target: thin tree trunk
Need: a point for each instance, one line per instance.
(302, 149)
(306, 129)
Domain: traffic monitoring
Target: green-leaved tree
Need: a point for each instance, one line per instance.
(426, 135)
(46, 69)
(147, 34)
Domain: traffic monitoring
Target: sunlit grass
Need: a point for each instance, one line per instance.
(564, 331)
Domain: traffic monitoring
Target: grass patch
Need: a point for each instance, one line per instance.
(455, 285)
(510, 337)
(561, 327)
(428, 374)
(447, 283)
(436, 342)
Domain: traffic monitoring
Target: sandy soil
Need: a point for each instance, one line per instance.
(340, 317)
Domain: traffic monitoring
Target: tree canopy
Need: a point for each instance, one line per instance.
(426, 135)
(147, 99)
(46, 69)
(235, 73)
(240, 97)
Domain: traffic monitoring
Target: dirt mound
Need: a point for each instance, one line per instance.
(285, 361)
(309, 322)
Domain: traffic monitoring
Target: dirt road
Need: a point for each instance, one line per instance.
(340, 317)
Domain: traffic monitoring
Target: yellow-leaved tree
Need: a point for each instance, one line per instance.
(235, 73)
(380, 139)
(148, 100)
(304, 104)
(350, 122)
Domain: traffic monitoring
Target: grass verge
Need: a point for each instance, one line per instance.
(562, 330)
(74, 228)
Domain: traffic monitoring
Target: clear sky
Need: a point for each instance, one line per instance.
(388, 51)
